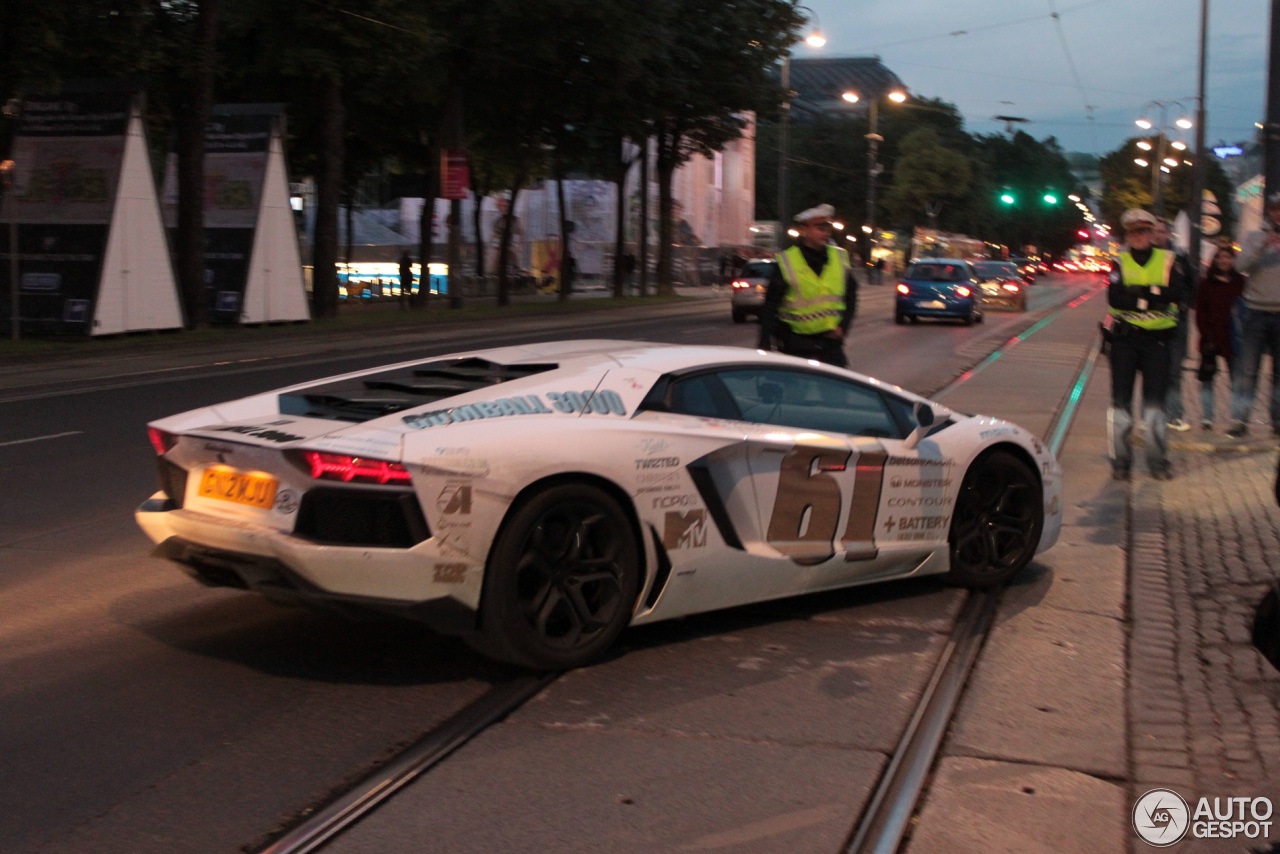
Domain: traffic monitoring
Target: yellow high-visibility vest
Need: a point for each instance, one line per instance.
(1155, 273)
(813, 304)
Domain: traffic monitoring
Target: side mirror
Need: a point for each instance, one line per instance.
(924, 417)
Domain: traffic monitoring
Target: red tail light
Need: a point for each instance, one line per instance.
(161, 440)
(739, 284)
(904, 289)
(1011, 287)
(963, 291)
(350, 469)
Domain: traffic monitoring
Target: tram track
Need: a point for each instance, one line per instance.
(885, 821)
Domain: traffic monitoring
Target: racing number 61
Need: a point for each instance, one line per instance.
(806, 509)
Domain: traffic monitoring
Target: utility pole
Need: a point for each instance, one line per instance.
(1271, 127)
(1197, 185)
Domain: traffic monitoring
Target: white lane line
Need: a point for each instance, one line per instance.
(41, 438)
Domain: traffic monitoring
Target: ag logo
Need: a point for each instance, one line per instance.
(1161, 817)
(455, 498)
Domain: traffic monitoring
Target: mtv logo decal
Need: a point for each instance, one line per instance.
(685, 530)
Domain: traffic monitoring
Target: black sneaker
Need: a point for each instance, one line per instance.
(1238, 430)
(1164, 472)
(1119, 472)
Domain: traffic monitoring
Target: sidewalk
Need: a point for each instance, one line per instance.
(1124, 662)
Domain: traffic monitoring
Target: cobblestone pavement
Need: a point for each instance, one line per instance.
(1204, 705)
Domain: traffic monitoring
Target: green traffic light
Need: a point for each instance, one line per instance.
(1007, 198)
(1050, 199)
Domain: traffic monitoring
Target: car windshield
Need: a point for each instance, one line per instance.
(997, 268)
(936, 272)
(758, 269)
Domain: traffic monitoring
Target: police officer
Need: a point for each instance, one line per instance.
(812, 296)
(1148, 284)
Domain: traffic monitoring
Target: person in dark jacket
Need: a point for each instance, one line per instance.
(812, 295)
(1216, 298)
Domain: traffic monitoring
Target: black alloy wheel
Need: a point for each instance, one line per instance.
(997, 521)
(561, 581)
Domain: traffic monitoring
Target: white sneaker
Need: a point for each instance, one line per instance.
(1179, 425)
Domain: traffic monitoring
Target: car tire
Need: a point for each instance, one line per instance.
(561, 581)
(739, 316)
(969, 318)
(996, 523)
(979, 317)
(899, 318)
(913, 318)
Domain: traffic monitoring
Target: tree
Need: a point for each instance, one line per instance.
(1126, 185)
(927, 175)
(712, 76)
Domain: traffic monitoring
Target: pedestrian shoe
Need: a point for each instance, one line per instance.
(1238, 430)
(1179, 425)
(1119, 472)
(1164, 472)
(1206, 424)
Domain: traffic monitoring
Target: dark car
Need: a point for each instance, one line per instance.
(939, 288)
(1002, 284)
(748, 289)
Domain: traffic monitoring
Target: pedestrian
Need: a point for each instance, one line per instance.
(812, 295)
(406, 277)
(569, 274)
(1216, 298)
(628, 267)
(1174, 410)
(878, 274)
(1260, 319)
(1147, 285)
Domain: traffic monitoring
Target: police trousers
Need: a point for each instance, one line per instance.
(1133, 353)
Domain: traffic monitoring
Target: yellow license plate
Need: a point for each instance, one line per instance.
(240, 487)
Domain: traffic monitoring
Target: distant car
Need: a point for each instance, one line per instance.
(1002, 284)
(748, 287)
(939, 288)
(537, 499)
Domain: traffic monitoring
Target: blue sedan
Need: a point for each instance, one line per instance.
(940, 288)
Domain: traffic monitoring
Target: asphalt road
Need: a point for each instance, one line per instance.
(144, 712)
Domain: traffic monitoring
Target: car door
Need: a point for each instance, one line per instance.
(821, 467)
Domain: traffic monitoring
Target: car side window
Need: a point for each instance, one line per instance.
(702, 395)
(810, 402)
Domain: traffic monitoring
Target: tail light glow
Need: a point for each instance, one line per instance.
(161, 440)
(904, 289)
(349, 469)
(739, 284)
(963, 290)
(1011, 287)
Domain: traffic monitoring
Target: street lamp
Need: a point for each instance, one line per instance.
(873, 163)
(814, 39)
(1160, 161)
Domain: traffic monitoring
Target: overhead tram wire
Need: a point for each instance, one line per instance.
(1071, 63)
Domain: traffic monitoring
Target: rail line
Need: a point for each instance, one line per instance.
(885, 820)
(887, 816)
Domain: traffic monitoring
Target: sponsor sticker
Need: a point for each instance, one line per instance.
(685, 530)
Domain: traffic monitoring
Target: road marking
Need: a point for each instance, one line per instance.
(41, 438)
